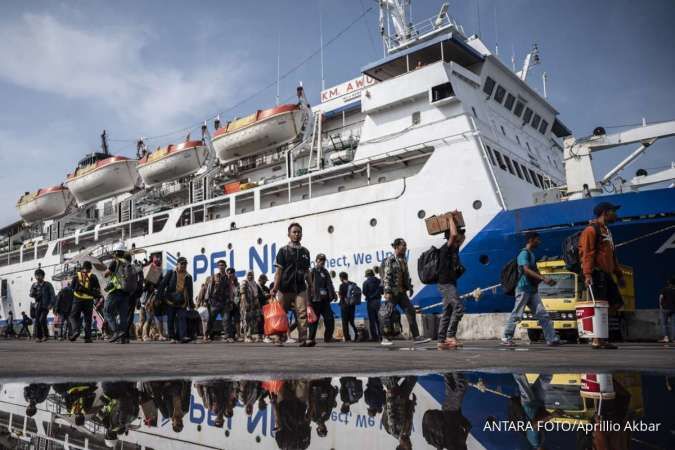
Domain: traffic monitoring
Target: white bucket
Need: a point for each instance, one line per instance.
(592, 319)
(597, 385)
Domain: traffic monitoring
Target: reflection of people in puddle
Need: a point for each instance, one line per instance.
(79, 399)
(613, 410)
(399, 408)
(120, 408)
(292, 428)
(448, 428)
(374, 396)
(530, 407)
(322, 400)
(250, 392)
(351, 391)
(34, 394)
(212, 393)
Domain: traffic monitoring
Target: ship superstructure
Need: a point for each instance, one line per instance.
(439, 123)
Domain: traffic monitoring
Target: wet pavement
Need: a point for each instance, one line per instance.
(452, 410)
(57, 361)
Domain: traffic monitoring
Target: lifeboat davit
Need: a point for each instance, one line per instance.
(172, 162)
(100, 176)
(43, 204)
(257, 132)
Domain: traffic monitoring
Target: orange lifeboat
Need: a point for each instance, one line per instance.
(100, 176)
(172, 162)
(44, 204)
(257, 132)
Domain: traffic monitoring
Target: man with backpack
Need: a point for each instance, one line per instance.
(397, 289)
(667, 310)
(86, 289)
(176, 292)
(121, 283)
(527, 295)
(216, 295)
(291, 278)
(350, 297)
(321, 296)
(599, 263)
(64, 304)
(25, 323)
(372, 290)
(449, 270)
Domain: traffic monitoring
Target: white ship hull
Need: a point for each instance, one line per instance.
(184, 160)
(258, 136)
(115, 177)
(45, 204)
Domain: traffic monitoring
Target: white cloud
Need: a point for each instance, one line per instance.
(44, 53)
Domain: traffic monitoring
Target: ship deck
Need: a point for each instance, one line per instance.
(54, 361)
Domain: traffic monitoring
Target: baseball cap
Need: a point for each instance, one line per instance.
(603, 207)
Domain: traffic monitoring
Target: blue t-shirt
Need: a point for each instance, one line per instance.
(526, 258)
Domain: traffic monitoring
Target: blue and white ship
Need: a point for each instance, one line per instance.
(438, 124)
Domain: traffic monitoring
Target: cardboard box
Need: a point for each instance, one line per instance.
(152, 273)
(439, 224)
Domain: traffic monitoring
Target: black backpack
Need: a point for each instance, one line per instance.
(509, 277)
(570, 249)
(353, 294)
(427, 266)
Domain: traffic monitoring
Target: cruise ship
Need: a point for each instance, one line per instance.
(438, 124)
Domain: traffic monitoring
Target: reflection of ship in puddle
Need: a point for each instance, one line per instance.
(441, 411)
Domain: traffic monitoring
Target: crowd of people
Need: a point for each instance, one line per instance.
(232, 310)
(298, 405)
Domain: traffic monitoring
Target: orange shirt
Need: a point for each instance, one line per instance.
(602, 257)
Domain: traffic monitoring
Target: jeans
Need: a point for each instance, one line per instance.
(322, 309)
(41, 330)
(668, 316)
(348, 313)
(174, 313)
(373, 319)
(65, 328)
(402, 301)
(81, 307)
(116, 305)
(453, 310)
(214, 310)
(532, 300)
(297, 301)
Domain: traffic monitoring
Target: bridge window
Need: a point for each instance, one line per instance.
(534, 178)
(442, 91)
(519, 108)
(535, 121)
(158, 222)
(499, 95)
(489, 86)
(508, 164)
(543, 127)
(527, 175)
(490, 155)
(517, 167)
(527, 116)
(510, 99)
(500, 160)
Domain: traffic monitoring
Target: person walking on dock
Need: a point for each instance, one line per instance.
(398, 288)
(599, 262)
(249, 294)
(176, 291)
(527, 293)
(64, 304)
(9, 329)
(216, 295)
(350, 297)
(291, 279)
(321, 296)
(86, 289)
(25, 323)
(43, 293)
(116, 307)
(667, 310)
(449, 270)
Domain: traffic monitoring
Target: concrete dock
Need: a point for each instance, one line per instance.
(54, 361)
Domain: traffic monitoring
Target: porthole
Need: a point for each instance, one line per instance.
(229, 246)
(421, 214)
(233, 225)
(331, 229)
(259, 241)
(203, 250)
(477, 204)
(484, 259)
(199, 428)
(376, 269)
(177, 255)
(332, 274)
(373, 222)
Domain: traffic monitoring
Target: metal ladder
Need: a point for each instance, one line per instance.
(315, 143)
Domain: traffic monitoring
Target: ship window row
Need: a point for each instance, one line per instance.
(529, 116)
(519, 169)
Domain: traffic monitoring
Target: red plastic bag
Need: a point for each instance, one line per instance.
(311, 315)
(273, 386)
(276, 320)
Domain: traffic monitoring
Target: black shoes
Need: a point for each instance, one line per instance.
(74, 337)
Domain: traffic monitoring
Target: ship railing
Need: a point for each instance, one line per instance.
(422, 30)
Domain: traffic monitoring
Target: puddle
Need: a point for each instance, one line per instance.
(473, 410)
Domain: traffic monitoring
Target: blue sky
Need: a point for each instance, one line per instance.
(71, 69)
